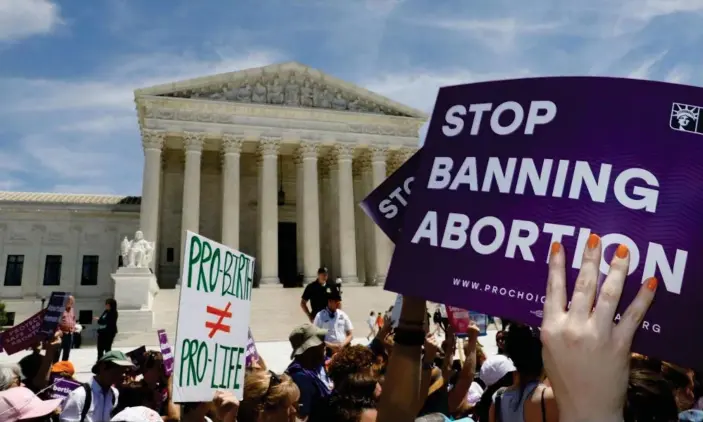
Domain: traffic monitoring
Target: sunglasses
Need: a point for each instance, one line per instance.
(273, 382)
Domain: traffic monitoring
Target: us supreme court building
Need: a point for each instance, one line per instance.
(272, 161)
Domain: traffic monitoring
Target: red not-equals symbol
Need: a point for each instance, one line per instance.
(222, 314)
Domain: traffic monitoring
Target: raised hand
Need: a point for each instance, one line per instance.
(226, 405)
(586, 355)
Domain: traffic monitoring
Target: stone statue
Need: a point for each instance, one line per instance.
(259, 94)
(275, 92)
(137, 253)
(306, 94)
(244, 93)
(338, 102)
(292, 92)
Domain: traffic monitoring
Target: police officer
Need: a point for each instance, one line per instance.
(317, 293)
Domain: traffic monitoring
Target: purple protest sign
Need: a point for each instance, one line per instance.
(251, 353)
(54, 311)
(386, 205)
(510, 167)
(166, 352)
(61, 387)
(22, 335)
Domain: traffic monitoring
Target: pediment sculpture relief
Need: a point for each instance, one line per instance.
(292, 89)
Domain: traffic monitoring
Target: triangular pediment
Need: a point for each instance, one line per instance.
(288, 84)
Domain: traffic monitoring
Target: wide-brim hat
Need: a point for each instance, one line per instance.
(305, 337)
(114, 357)
(20, 403)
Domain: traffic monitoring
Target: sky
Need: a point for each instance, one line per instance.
(68, 68)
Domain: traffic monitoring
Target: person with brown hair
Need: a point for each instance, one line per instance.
(268, 398)
(649, 397)
(681, 382)
(350, 361)
(344, 408)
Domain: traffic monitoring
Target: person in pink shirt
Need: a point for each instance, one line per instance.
(67, 326)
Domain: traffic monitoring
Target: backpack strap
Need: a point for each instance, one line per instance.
(88, 401)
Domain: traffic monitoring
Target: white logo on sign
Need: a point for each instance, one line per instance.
(686, 118)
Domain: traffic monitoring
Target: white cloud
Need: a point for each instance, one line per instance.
(649, 9)
(678, 75)
(419, 89)
(114, 90)
(643, 70)
(24, 18)
(87, 129)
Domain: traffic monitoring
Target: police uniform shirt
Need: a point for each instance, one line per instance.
(337, 325)
(317, 294)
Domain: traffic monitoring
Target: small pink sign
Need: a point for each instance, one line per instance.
(459, 319)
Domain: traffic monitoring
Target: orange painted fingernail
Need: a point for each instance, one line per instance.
(593, 240)
(622, 251)
(652, 283)
(555, 248)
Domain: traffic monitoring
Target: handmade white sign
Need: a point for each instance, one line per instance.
(213, 320)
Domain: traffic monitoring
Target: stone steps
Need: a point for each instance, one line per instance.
(165, 309)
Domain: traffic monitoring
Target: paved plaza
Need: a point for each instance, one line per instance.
(274, 312)
(275, 353)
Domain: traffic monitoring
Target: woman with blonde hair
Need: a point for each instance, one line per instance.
(268, 398)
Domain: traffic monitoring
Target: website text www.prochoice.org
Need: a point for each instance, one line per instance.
(533, 298)
(500, 291)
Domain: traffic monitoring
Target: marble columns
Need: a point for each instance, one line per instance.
(231, 155)
(190, 218)
(359, 217)
(345, 196)
(153, 142)
(382, 245)
(310, 209)
(299, 211)
(268, 209)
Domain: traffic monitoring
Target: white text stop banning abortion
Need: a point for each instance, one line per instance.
(548, 178)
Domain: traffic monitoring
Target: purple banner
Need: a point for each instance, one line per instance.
(252, 353)
(22, 335)
(61, 387)
(510, 167)
(166, 352)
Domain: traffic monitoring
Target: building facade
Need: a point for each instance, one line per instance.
(272, 161)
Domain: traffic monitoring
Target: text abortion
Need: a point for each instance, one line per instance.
(633, 188)
(237, 280)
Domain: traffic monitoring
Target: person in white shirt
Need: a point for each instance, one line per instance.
(337, 323)
(97, 406)
(371, 322)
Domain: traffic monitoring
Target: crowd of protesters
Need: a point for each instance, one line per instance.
(576, 367)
